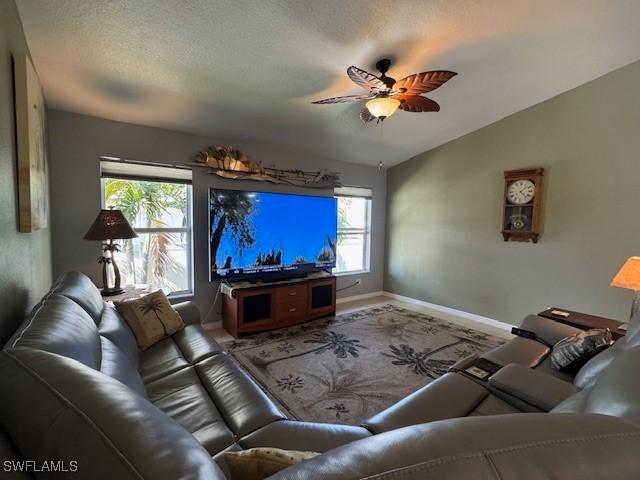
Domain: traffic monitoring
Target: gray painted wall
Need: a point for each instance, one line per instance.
(25, 258)
(444, 209)
(77, 142)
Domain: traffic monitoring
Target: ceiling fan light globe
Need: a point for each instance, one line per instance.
(383, 106)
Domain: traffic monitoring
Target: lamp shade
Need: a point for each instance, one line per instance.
(110, 225)
(629, 275)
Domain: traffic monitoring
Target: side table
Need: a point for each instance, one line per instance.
(130, 292)
(585, 321)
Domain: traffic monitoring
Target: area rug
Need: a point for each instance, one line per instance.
(347, 368)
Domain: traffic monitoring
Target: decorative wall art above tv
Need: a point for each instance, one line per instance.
(231, 163)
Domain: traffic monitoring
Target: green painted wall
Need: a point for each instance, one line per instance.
(444, 208)
(25, 258)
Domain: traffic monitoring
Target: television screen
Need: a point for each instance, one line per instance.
(258, 233)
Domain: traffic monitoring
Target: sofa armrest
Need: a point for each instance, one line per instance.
(450, 396)
(307, 436)
(189, 312)
(548, 330)
(535, 388)
(520, 446)
(464, 363)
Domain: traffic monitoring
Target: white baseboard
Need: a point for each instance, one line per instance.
(452, 311)
(364, 296)
(434, 308)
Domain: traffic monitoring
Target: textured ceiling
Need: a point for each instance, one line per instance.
(246, 70)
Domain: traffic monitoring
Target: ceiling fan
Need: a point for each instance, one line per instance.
(386, 94)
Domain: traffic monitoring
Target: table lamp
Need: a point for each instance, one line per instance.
(629, 277)
(108, 226)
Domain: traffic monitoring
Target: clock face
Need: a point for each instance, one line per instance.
(521, 192)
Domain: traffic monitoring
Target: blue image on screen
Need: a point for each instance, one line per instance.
(258, 232)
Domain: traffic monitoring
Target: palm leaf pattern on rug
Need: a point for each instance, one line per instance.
(419, 362)
(343, 383)
(339, 343)
(353, 366)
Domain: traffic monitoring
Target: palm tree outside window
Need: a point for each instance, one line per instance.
(354, 230)
(160, 211)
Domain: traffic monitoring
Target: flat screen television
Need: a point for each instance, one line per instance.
(270, 235)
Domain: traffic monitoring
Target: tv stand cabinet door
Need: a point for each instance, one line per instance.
(321, 297)
(256, 310)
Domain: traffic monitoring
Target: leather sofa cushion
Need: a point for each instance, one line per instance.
(492, 405)
(548, 330)
(307, 436)
(163, 358)
(591, 370)
(8, 453)
(186, 347)
(535, 388)
(117, 365)
(196, 344)
(616, 390)
(58, 408)
(511, 447)
(243, 404)
(214, 400)
(450, 396)
(522, 351)
(181, 396)
(115, 328)
(80, 289)
(545, 367)
(59, 325)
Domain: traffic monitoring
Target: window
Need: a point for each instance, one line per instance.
(158, 207)
(354, 229)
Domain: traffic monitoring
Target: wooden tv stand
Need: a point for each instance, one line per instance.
(250, 308)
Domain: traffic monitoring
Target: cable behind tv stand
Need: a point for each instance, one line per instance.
(250, 308)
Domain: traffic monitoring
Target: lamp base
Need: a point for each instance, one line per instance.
(109, 292)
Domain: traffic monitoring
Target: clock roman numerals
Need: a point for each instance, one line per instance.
(521, 208)
(521, 192)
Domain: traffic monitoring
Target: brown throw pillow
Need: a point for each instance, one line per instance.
(151, 318)
(259, 463)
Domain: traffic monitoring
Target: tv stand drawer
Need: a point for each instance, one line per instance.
(291, 293)
(291, 311)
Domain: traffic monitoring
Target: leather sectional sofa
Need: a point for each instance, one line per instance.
(75, 387)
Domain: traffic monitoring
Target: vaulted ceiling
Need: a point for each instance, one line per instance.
(243, 70)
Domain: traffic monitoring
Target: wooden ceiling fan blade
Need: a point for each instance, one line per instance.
(424, 82)
(365, 115)
(344, 99)
(365, 79)
(417, 103)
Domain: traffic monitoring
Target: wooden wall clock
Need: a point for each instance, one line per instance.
(522, 205)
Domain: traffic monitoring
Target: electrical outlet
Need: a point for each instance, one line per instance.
(358, 281)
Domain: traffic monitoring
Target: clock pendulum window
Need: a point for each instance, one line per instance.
(521, 205)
